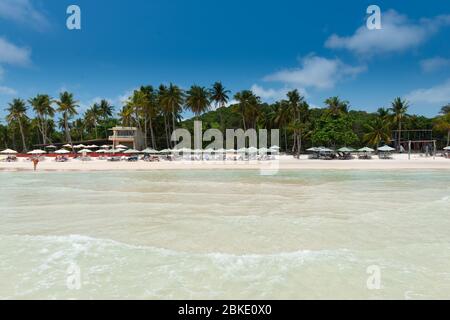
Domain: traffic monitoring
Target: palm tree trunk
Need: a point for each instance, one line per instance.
(145, 132)
(152, 134)
(66, 128)
(173, 121)
(23, 136)
(243, 121)
(295, 143)
(448, 138)
(399, 135)
(299, 143)
(167, 132)
(285, 140)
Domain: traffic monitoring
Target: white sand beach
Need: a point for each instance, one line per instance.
(399, 162)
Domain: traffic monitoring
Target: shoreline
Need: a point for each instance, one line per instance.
(285, 163)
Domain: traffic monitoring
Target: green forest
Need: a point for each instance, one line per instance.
(157, 111)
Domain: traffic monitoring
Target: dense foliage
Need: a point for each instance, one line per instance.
(157, 112)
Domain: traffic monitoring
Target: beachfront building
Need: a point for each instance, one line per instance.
(131, 137)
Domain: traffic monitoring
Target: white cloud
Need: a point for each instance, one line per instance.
(398, 34)
(434, 64)
(434, 95)
(7, 91)
(12, 54)
(316, 72)
(271, 94)
(24, 12)
(2, 73)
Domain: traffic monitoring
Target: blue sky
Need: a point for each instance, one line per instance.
(321, 48)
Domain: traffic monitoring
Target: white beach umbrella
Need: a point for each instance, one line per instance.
(121, 146)
(92, 146)
(100, 151)
(275, 147)
(105, 146)
(209, 150)
(62, 151)
(8, 151)
(85, 151)
(165, 151)
(263, 150)
(447, 148)
(131, 151)
(150, 151)
(231, 151)
(50, 147)
(79, 146)
(37, 151)
(366, 149)
(313, 149)
(221, 150)
(345, 149)
(67, 146)
(325, 150)
(252, 150)
(386, 148)
(242, 150)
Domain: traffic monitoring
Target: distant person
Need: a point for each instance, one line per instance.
(35, 163)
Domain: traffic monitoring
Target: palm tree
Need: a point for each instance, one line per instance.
(136, 102)
(399, 108)
(150, 110)
(17, 112)
(383, 113)
(442, 124)
(197, 100)
(105, 109)
(336, 107)
(42, 106)
(105, 113)
(68, 107)
(164, 109)
(92, 117)
(281, 118)
(295, 103)
(378, 131)
(247, 106)
(126, 116)
(173, 99)
(445, 109)
(220, 97)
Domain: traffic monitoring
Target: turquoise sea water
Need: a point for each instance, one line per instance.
(224, 234)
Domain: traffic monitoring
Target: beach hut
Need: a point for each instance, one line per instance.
(8, 151)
